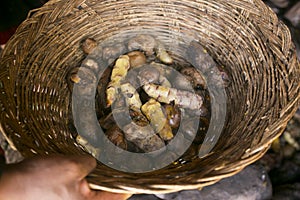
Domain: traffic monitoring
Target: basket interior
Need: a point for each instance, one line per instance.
(243, 36)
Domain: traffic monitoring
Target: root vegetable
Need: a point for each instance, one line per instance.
(118, 73)
(184, 99)
(112, 52)
(137, 59)
(116, 136)
(173, 115)
(131, 96)
(143, 137)
(88, 45)
(153, 111)
(143, 42)
(148, 74)
(162, 54)
(195, 77)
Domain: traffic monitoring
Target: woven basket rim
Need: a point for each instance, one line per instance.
(248, 24)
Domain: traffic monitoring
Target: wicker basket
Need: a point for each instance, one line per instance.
(244, 36)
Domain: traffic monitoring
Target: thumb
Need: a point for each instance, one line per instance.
(82, 165)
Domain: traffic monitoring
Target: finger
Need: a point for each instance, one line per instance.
(101, 195)
(73, 166)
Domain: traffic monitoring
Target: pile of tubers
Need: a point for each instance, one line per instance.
(143, 96)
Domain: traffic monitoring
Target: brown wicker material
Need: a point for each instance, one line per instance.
(243, 35)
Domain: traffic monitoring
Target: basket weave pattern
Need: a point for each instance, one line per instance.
(244, 36)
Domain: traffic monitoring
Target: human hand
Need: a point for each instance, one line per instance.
(52, 178)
